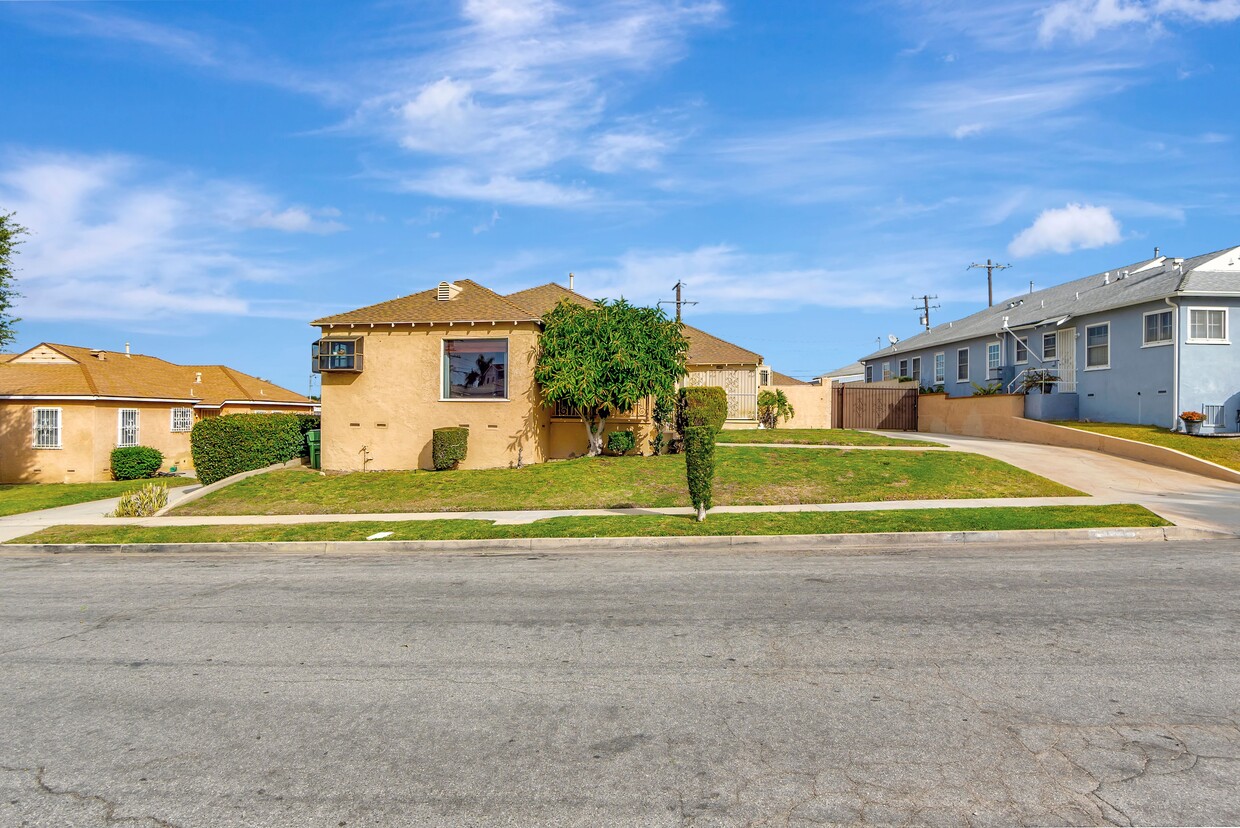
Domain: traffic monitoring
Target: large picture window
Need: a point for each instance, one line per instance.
(475, 369)
(47, 428)
(1207, 325)
(1098, 346)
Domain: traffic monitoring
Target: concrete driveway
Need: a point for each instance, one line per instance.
(1185, 499)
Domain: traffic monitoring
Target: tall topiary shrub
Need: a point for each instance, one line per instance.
(700, 466)
(701, 406)
(234, 443)
(448, 447)
(135, 462)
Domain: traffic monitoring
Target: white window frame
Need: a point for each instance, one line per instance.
(1225, 340)
(940, 368)
(1022, 343)
(120, 427)
(904, 368)
(914, 366)
(966, 365)
(443, 378)
(1089, 367)
(1157, 343)
(189, 418)
(764, 376)
(60, 419)
(994, 357)
(1053, 338)
(886, 371)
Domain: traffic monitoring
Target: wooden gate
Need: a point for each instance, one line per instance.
(861, 405)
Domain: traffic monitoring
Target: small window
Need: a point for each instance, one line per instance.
(869, 373)
(475, 369)
(916, 375)
(994, 357)
(764, 377)
(1207, 325)
(1022, 351)
(127, 427)
(1157, 328)
(904, 367)
(1098, 346)
(1050, 346)
(47, 428)
(329, 355)
(962, 365)
(886, 370)
(940, 368)
(182, 419)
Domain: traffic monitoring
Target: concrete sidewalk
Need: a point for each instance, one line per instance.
(92, 511)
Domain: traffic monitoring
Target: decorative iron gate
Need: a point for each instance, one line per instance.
(859, 405)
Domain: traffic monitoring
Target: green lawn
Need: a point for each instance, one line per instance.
(816, 437)
(1224, 451)
(744, 476)
(18, 498)
(781, 523)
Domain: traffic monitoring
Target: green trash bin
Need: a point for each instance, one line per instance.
(313, 442)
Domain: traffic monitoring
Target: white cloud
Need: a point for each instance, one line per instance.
(455, 182)
(115, 238)
(967, 130)
(620, 151)
(297, 220)
(1083, 20)
(1073, 227)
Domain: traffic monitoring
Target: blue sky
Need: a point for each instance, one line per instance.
(202, 179)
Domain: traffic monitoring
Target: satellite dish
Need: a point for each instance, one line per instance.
(892, 338)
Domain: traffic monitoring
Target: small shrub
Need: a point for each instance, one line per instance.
(700, 466)
(773, 406)
(701, 406)
(448, 447)
(989, 390)
(234, 443)
(621, 442)
(135, 462)
(904, 379)
(931, 389)
(143, 501)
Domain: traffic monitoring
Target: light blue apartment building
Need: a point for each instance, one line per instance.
(1138, 344)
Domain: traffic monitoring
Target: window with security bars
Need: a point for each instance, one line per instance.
(47, 428)
(127, 428)
(182, 419)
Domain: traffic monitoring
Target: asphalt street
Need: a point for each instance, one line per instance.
(1091, 684)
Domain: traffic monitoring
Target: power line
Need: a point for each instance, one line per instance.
(678, 301)
(991, 267)
(925, 308)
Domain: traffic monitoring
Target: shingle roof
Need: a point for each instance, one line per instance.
(542, 299)
(847, 371)
(474, 303)
(1147, 281)
(135, 376)
(783, 379)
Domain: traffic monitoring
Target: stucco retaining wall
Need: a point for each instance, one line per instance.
(1000, 417)
(812, 404)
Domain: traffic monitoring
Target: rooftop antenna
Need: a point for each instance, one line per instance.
(991, 267)
(926, 307)
(678, 301)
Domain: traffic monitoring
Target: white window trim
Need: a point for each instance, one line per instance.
(120, 430)
(1161, 342)
(1054, 335)
(1226, 340)
(443, 381)
(1018, 360)
(886, 371)
(60, 428)
(968, 367)
(940, 378)
(1106, 367)
(994, 348)
(172, 419)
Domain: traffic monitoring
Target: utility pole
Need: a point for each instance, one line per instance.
(679, 301)
(926, 307)
(991, 267)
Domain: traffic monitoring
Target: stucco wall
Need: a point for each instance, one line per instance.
(972, 416)
(812, 404)
(392, 407)
(1210, 373)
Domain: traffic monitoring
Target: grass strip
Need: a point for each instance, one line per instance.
(777, 523)
(19, 498)
(1222, 450)
(817, 437)
(743, 477)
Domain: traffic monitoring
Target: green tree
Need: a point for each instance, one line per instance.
(10, 237)
(773, 406)
(605, 359)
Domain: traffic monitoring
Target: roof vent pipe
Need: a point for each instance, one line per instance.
(126, 349)
(1155, 252)
(1106, 278)
(570, 281)
(197, 377)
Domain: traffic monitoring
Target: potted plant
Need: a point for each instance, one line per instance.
(1192, 421)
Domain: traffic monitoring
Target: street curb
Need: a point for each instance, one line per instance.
(878, 540)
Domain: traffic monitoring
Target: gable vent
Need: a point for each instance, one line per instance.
(447, 291)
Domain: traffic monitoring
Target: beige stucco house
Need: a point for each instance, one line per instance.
(461, 354)
(64, 408)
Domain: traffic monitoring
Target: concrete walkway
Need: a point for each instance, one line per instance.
(92, 511)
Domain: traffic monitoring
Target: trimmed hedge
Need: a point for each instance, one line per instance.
(308, 422)
(700, 466)
(448, 447)
(701, 406)
(234, 443)
(621, 442)
(135, 462)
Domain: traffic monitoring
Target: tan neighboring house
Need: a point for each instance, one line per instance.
(461, 354)
(64, 408)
